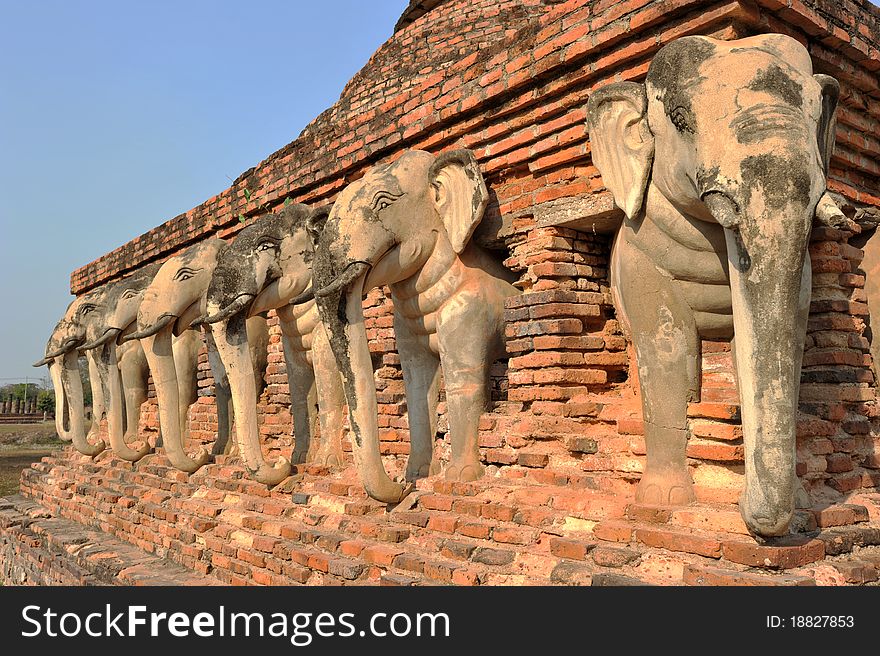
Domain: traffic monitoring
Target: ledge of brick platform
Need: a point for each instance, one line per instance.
(39, 549)
(319, 528)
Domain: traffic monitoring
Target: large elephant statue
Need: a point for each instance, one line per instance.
(268, 267)
(175, 297)
(408, 225)
(719, 163)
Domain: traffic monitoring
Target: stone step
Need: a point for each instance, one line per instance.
(319, 527)
(69, 553)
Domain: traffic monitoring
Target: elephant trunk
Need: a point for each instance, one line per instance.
(231, 339)
(163, 321)
(343, 314)
(61, 404)
(304, 297)
(110, 334)
(66, 346)
(236, 306)
(72, 383)
(116, 410)
(172, 421)
(770, 280)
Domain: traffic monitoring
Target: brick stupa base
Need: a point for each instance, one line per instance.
(108, 521)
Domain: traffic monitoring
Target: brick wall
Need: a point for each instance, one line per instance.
(510, 80)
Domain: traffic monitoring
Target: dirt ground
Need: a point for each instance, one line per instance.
(20, 445)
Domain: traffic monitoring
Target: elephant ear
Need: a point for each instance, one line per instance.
(825, 130)
(460, 194)
(315, 222)
(621, 142)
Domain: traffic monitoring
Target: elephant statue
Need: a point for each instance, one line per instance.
(63, 361)
(122, 367)
(62, 356)
(175, 297)
(408, 224)
(719, 164)
(268, 267)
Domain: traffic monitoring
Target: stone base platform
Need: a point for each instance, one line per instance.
(38, 549)
(318, 528)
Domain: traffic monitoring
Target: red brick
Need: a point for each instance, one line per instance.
(568, 548)
(613, 531)
(787, 554)
(613, 556)
(701, 575)
(856, 571)
(673, 540)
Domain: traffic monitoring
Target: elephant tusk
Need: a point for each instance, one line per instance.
(230, 310)
(42, 362)
(163, 321)
(352, 272)
(66, 346)
(109, 335)
(306, 296)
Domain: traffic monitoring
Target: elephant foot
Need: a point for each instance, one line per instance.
(665, 488)
(328, 457)
(417, 471)
(464, 471)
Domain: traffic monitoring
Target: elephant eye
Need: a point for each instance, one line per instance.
(266, 246)
(185, 274)
(86, 309)
(128, 293)
(383, 199)
(680, 118)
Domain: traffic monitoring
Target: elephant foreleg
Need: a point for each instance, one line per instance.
(303, 397)
(133, 373)
(421, 379)
(667, 352)
(186, 363)
(222, 397)
(331, 400)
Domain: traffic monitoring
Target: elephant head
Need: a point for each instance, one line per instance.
(406, 224)
(738, 134)
(266, 267)
(122, 303)
(174, 298)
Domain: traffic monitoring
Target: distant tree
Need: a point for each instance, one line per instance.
(46, 400)
(16, 391)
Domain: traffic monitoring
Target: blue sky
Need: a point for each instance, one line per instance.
(116, 116)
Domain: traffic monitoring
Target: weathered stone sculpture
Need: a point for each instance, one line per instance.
(719, 163)
(62, 356)
(123, 367)
(176, 297)
(268, 266)
(408, 224)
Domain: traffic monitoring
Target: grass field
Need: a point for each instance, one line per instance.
(20, 445)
